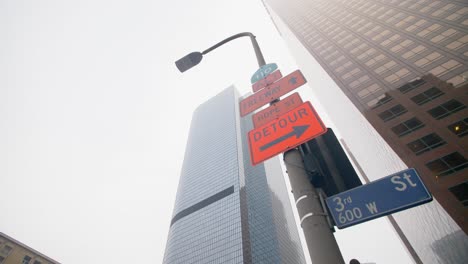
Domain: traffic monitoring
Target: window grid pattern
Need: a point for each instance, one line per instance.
(448, 164)
(26, 260)
(460, 191)
(446, 109)
(358, 16)
(211, 234)
(426, 143)
(427, 96)
(381, 100)
(407, 127)
(445, 68)
(209, 227)
(411, 86)
(393, 112)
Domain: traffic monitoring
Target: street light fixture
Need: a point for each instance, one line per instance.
(194, 58)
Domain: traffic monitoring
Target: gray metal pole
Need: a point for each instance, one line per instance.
(258, 52)
(319, 237)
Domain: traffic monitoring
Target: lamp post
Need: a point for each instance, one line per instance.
(319, 237)
(192, 59)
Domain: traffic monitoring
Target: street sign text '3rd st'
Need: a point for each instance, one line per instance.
(384, 196)
(287, 131)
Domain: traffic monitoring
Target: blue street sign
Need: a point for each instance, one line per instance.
(263, 72)
(385, 196)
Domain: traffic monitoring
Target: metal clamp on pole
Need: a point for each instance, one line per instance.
(322, 197)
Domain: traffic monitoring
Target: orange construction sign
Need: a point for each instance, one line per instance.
(286, 132)
(276, 109)
(271, 92)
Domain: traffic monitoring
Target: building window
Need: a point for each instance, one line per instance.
(458, 14)
(448, 164)
(419, 49)
(6, 250)
(446, 109)
(26, 259)
(459, 128)
(383, 99)
(372, 89)
(359, 81)
(428, 59)
(375, 59)
(392, 113)
(403, 72)
(426, 143)
(391, 78)
(427, 96)
(351, 73)
(458, 43)
(411, 85)
(444, 35)
(445, 68)
(401, 45)
(459, 79)
(386, 67)
(407, 127)
(461, 192)
(428, 30)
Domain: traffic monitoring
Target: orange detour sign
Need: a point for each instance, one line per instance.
(288, 131)
(271, 78)
(274, 111)
(271, 92)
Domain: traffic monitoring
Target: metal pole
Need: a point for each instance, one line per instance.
(318, 234)
(258, 52)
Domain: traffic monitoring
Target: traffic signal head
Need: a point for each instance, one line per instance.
(327, 165)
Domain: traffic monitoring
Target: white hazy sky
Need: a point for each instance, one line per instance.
(94, 119)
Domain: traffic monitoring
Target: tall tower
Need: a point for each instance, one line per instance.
(226, 210)
(402, 66)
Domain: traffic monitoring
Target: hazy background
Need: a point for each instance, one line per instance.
(94, 119)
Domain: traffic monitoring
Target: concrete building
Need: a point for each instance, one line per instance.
(14, 252)
(401, 64)
(226, 210)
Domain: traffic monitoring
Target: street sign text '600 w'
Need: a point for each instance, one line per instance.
(384, 196)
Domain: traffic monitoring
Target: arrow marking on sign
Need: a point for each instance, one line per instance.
(297, 131)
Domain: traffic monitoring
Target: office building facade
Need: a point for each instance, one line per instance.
(226, 210)
(13, 252)
(402, 65)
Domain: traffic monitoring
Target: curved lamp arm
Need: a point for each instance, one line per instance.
(258, 52)
(194, 58)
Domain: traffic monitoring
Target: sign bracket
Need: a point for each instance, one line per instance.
(323, 197)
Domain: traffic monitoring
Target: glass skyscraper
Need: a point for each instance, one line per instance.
(226, 210)
(399, 101)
